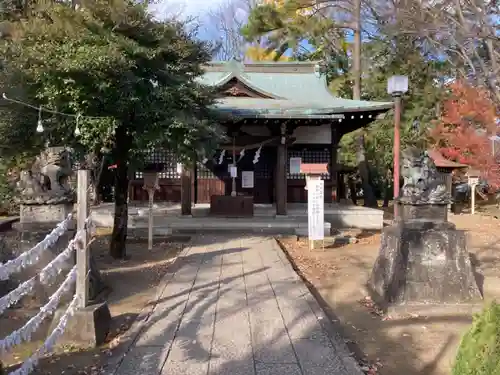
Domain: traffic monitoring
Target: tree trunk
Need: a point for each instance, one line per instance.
(356, 64)
(119, 235)
(97, 171)
(352, 190)
(369, 197)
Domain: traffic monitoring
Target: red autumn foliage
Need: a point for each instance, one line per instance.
(462, 134)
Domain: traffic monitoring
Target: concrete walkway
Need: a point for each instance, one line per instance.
(235, 306)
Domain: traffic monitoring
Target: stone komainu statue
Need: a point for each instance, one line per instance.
(422, 183)
(48, 178)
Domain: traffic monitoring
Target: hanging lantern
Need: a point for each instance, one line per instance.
(77, 128)
(39, 126)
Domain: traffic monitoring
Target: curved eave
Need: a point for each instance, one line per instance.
(370, 106)
(235, 114)
(379, 107)
(287, 109)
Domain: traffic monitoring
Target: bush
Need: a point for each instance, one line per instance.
(479, 351)
(8, 177)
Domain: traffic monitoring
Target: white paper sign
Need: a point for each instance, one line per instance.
(247, 179)
(315, 209)
(295, 165)
(234, 171)
(473, 180)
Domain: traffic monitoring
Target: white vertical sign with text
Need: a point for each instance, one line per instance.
(316, 209)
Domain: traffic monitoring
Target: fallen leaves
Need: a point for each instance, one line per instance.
(372, 307)
(371, 369)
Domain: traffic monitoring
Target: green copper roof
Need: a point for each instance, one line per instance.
(296, 90)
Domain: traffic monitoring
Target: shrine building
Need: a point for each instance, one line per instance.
(277, 115)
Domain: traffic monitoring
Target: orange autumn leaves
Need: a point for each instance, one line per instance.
(463, 133)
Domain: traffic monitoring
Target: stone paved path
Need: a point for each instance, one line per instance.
(236, 307)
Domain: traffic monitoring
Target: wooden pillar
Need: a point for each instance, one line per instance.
(186, 190)
(281, 180)
(333, 161)
(82, 251)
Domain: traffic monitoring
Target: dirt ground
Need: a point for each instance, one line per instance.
(131, 287)
(416, 345)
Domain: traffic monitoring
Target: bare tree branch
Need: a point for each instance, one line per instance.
(464, 32)
(225, 23)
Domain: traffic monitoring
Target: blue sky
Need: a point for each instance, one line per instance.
(192, 8)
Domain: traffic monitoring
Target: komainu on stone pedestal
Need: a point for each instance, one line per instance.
(46, 183)
(423, 259)
(46, 198)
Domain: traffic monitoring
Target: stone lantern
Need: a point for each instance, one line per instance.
(151, 185)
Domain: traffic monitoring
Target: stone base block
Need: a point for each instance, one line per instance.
(425, 212)
(88, 328)
(45, 213)
(423, 263)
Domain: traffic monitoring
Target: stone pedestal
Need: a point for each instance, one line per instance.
(45, 213)
(88, 328)
(423, 261)
(436, 213)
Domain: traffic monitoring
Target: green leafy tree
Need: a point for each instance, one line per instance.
(285, 26)
(420, 104)
(112, 60)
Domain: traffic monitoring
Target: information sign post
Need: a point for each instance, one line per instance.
(315, 186)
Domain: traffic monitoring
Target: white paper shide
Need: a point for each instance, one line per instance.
(32, 256)
(46, 276)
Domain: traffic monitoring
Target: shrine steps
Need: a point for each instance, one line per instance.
(167, 219)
